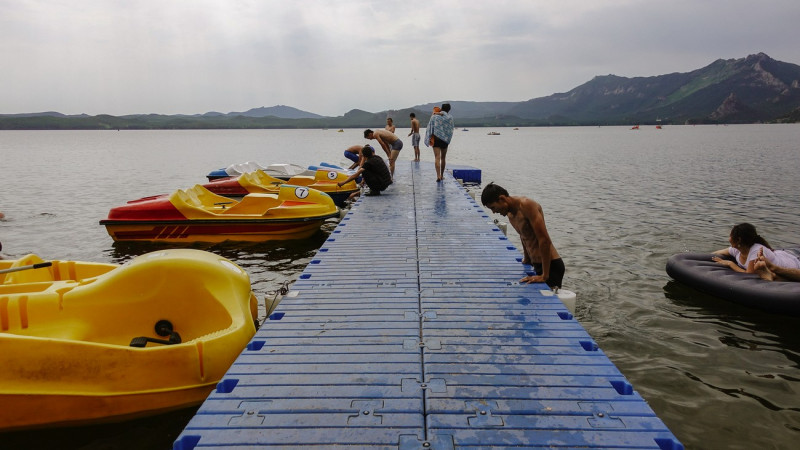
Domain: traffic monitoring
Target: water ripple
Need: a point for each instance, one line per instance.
(617, 205)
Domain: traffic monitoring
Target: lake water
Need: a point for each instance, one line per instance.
(617, 203)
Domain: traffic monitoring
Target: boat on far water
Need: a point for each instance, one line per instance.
(87, 343)
(493, 133)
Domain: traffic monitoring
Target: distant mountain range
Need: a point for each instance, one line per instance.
(279, 111)
(753, 89)
(747, 90)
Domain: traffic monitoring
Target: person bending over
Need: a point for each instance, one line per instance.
(389, 142)
(376, 174)
(526, 216)
(353, 153)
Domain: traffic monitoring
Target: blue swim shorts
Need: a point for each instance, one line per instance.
(351, 156)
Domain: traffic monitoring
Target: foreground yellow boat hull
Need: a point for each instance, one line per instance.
(52, 410)
(65, 345)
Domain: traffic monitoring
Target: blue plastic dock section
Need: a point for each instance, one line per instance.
(467, 174)
(408, 330)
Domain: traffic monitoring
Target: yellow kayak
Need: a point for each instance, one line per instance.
(83, 343)
(198, 215)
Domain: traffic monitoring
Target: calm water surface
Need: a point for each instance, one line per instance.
(617, 202)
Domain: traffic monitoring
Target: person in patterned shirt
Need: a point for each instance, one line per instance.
(438, 135)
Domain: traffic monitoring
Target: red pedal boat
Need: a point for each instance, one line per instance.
(198, 215)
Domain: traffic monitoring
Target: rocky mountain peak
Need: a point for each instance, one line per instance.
(730, 107)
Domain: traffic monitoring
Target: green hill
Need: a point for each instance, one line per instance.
(747, 90)
(764, 89)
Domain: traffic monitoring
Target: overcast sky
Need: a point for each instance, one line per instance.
(330, 56)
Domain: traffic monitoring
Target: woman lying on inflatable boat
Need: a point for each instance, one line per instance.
(753, 254)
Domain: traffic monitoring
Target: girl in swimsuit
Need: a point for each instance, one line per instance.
(746, 244)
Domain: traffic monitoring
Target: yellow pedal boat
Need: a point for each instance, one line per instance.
(84, 343)
(260, 182)
(20, 273)
(198, 215)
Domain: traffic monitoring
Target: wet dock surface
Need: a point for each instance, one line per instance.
(409, 330)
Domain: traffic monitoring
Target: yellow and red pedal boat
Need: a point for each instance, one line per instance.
(198, 215)
(84, 343)
(260, 182)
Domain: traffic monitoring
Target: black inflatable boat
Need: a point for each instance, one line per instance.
(700, 272)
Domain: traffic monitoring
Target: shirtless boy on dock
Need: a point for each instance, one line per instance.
(526, 216)
(414, 133)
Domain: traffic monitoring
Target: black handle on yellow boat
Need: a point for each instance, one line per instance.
(162, 328)
(32, 266)
(142, 341)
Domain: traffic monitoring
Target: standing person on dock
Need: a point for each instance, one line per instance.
(414, 135)
(438, 135)
(376, 174)
(390, 125)
(527, 217)
(390, 143)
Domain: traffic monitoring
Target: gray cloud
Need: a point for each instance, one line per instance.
(183, 56)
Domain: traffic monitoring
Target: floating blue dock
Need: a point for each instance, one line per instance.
(408, 330)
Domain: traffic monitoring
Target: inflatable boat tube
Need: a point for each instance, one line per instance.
(697, 270)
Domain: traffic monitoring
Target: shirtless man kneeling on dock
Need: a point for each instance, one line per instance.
(526, 216)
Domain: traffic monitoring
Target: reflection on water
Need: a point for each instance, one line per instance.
(157, 433)
(617, 204)
(440, 204)
(737, 326)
